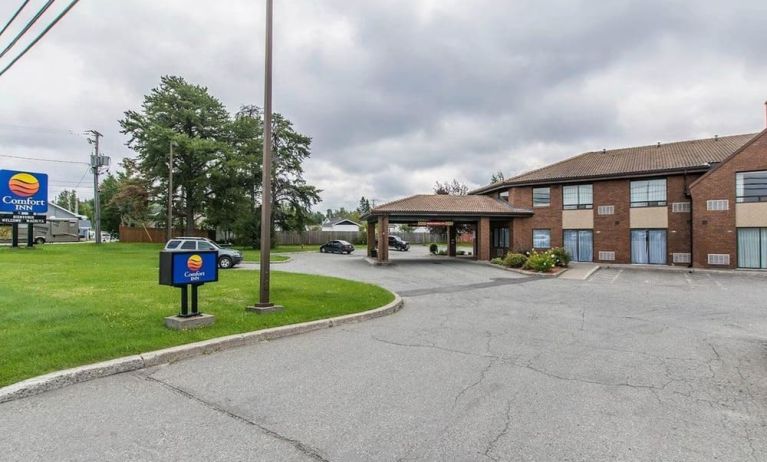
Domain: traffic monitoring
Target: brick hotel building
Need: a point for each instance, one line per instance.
(700, 203)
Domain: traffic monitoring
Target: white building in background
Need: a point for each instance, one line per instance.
(341, 224)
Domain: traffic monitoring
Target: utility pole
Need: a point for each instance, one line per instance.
(265, 305)
(97, 161)
(169, 231)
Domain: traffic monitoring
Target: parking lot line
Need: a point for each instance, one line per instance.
(719, 284)
(615, 278)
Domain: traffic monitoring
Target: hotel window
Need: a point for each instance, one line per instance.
(541, 197)
(751, 186)
(577, 197)
(504, 196)
(648, 193)
(752, 248)
(541, 238)
(648, 246)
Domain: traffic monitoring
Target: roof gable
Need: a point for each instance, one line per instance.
(728, 159)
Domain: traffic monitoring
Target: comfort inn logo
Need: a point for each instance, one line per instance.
(24, 185)
(23, 192)
(194, 263)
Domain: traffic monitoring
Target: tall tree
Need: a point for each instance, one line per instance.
(197, 123)
(497, 177)
(454, 188)
(364, 206)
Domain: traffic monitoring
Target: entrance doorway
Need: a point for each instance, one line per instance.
(648, 246)
(579, 243)
(500, 240)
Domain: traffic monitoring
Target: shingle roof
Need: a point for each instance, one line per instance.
(450, 205)
(633, 161)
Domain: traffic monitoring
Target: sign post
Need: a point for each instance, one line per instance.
(184, 269)
(23, 199)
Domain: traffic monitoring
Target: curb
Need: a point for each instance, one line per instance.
(289, 259)
(61, 379)
(523, 272)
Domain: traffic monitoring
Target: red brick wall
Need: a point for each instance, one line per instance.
(545, 218)
(714, 231)
(679, 227)
(611, 232)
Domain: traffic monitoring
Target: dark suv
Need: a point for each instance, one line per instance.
(398, 243)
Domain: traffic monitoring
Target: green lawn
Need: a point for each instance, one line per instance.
(67, 305)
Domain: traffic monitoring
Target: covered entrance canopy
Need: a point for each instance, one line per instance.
(484, 212)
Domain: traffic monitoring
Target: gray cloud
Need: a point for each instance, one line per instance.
(401, 93)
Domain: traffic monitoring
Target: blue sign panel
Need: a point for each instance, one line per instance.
(23, 192)
(195, 267)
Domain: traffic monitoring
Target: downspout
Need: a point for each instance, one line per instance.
(692, 221)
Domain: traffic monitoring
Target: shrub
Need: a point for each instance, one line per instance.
(541, 262)
(461, 252)
(514, 260)
(497, 261)
(434, 248)
(442, 252)
(561, 257)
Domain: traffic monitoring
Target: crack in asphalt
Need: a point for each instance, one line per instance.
(482, 376)
(495, 282)
(305, 449)
(507, 424)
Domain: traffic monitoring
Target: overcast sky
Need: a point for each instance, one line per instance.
(396, 94)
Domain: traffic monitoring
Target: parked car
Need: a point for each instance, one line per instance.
(336, 247)
(227, 258)
(398, 243)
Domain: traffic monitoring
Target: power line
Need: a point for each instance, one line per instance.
(42, 34)
(14, 16)
(44, 160)
(30, 23)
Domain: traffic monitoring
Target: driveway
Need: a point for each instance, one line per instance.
(481, 364)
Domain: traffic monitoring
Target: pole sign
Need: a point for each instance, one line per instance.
(23, 197)
(192, 268)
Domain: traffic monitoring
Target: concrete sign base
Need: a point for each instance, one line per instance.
(192, 322)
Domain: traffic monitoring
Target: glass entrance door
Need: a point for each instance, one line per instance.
(648, 246)
(580, 244)
(752, 248)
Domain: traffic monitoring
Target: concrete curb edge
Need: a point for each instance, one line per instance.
(60, 379)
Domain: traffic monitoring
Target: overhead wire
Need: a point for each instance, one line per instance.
(40, 36)
(44, 160)
(29, 24)
(13, 17)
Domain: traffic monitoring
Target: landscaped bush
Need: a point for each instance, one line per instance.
(434, 248)
(497, 261)
(561, 257)
(442, 252)
(461, 252)
(541, 262)
(514, 260)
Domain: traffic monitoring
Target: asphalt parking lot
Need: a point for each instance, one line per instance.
(481, 364)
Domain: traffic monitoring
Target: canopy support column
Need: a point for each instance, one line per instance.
(451, 241)
(383, 239)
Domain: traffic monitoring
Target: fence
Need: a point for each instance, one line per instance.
(156, 235)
